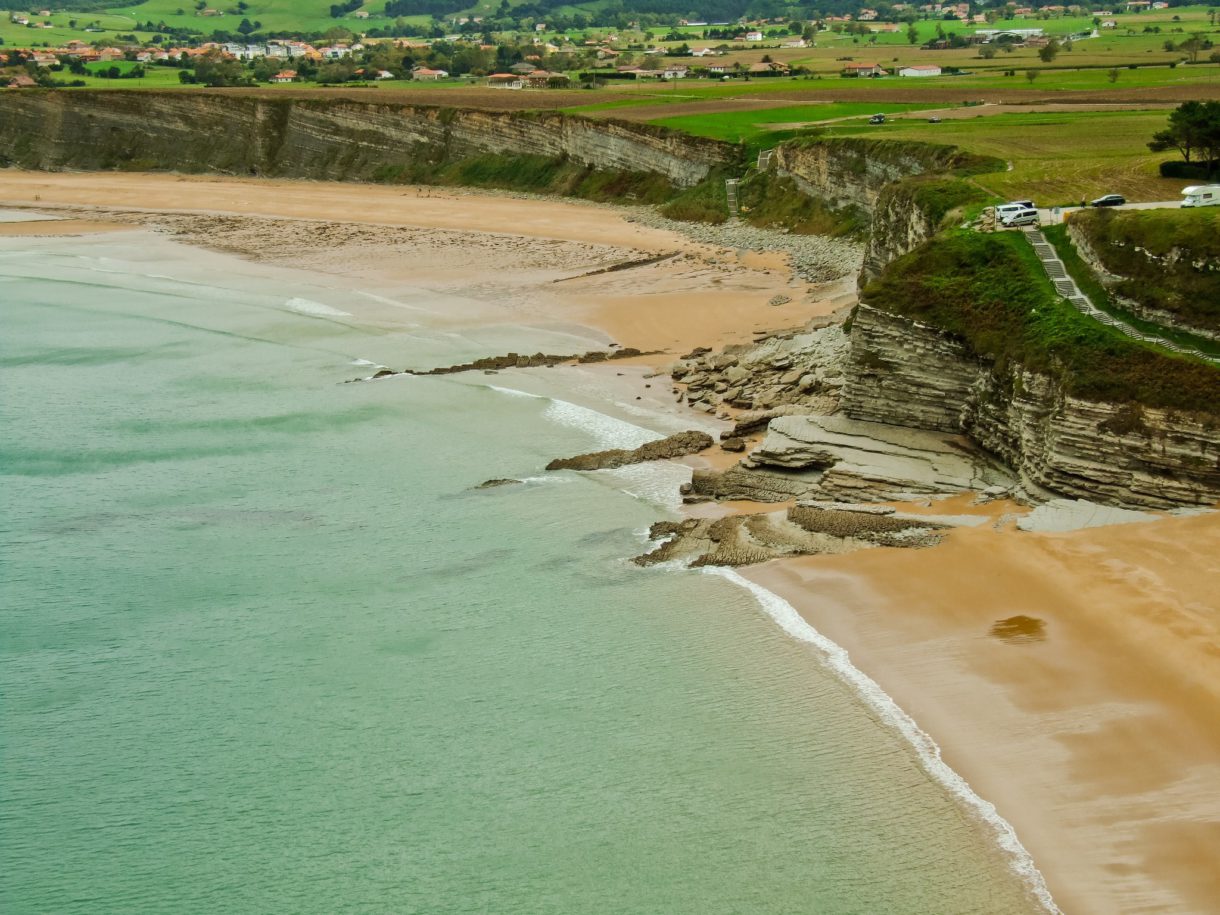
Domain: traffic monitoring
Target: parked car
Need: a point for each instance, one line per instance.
(877, 119)
(1022, 217)
(1109, 200)
(933, 120)
(1007, 209)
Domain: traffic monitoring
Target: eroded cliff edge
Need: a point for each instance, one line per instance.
(324, 138)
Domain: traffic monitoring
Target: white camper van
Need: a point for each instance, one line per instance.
(1201, 195)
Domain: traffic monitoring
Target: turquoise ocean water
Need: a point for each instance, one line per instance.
(264, 649)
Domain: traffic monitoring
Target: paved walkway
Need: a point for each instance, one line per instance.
(1067, 288)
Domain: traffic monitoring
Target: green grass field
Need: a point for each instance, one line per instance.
(1058, 158)
(739, 126)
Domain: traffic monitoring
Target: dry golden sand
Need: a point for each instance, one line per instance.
(1099, 741)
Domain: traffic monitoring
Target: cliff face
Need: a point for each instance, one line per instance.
(906, 373)
(882, 178)
(331, 139)
(849, 171)
(899, 225)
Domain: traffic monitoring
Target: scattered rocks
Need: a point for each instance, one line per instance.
(733, 443)
(739, 540)
(492, 364)
(677, 445)
(797, 367)
(779, 300)
(814, 258)
(492, 484)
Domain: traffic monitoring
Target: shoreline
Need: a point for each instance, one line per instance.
(949, 684)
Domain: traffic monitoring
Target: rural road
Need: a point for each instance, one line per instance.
(1050, 216)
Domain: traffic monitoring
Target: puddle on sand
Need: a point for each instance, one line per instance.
(1019, 628)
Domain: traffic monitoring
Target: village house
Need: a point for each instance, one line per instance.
(767, 68)
(675, 71)
(920, 70)
(504, 81)
(702, 52)
(428, 75)
(863, 69)
(544, 79)
(285, 76)
(754, 36)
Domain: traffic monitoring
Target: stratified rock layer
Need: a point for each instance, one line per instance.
(838, 458)
(900, 371)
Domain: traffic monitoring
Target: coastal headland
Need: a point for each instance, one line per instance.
(1067, 671)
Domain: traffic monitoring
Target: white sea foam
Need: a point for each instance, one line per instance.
(314, 309)
(607, 431)
(513, 392)
(655, 482)
(366, 362)
(395, 302)
(891, 713)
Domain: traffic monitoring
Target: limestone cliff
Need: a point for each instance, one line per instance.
(907, 189)
(901, 371)
(339, 139)
(852, 171)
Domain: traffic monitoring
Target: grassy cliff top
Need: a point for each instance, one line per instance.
(990, 291)
(1168, 259)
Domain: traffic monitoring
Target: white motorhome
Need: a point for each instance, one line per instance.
(1201, 195)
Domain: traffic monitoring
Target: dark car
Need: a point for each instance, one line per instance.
(877, 119)
(933, 120)
(1110, 200)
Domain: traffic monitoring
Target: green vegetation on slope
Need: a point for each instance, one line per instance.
(1087, 280)
(1169, 259)
(772, 202)
(991, 292)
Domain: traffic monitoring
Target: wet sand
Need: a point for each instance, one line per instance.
(1072, 679)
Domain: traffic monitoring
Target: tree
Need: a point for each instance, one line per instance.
(1031, 75)
(245, 27)
(1193, 45)
(1194, 129)
(912, 34)
(1049, 52)
(1112, 74)
(987, 52)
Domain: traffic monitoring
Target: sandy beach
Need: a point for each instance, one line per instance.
(539, 261)
(1090, 715)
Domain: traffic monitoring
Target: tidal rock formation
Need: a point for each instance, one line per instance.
(835, 457)
(803, 529)
(677, 445)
